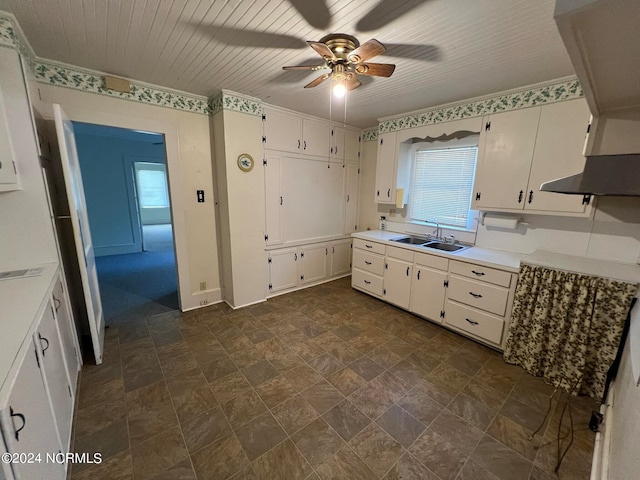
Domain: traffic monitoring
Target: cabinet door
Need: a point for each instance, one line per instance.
(273, 198)
(428, 292)
(351, 198)
(316, 138)
(282, 131)
(283, 269)
(8, 175)
(56, 381)
(27, 423)
(337, 142)
(340, 258)
(397, 282)
(314, 263)
(504, 159)
(558, 153)
(385, 170)
(352, 145)
(67, 331)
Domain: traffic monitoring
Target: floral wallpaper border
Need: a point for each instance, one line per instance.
(370, 135)
(236, 102)
(567, 89)
(59, 75)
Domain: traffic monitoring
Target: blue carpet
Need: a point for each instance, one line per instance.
(137, 284)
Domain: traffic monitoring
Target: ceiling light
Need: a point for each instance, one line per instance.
(339, 89)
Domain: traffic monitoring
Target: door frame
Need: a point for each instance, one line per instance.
(169, 129)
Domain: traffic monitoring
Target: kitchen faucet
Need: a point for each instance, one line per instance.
(438, 230)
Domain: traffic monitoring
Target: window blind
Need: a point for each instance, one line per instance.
(442, 184)
(152, 188)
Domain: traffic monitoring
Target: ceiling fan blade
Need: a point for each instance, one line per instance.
(376, 69)
(366, 51)
(315, 13)
(249, 38)
(317, 81)
(385, 12)
(322, 50)
(304, 67)
(427, 53)
(352, 83)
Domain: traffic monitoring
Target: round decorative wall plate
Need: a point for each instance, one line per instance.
(245, 162)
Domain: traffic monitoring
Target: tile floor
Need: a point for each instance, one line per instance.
(324, 383)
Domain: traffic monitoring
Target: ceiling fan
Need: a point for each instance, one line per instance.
(345, 57)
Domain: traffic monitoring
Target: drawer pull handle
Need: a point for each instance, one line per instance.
(57, 303)
(367, 282)
(368, 246)
(477, 273)
(367, 262)
(21, 417)
(43, 339)
(471, 322)
(475, 295)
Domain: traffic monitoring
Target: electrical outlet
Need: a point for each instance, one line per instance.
(203, 285)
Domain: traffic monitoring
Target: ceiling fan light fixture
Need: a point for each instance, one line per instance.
(339, 89)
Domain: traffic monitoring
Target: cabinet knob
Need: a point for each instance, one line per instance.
(304, 143)
(389, 193)
(56, 303)
(520, 196)
(418, 274)
(407, 271)
(298, 144)
(21, 417)
(530, 196)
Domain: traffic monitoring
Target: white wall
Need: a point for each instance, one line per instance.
(26, 232)
(242, 207)
(188, 148)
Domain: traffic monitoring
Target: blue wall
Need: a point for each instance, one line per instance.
(106, 162)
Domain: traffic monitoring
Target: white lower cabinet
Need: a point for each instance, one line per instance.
(471, 299)
(340, 258)
(283, 269)
(295, 267)
(36, 412)
(314, 263)
(397, 282)
(428, 287)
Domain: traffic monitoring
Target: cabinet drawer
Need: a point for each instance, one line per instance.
(433, 261)
(400, 253)
(478, 294)
(479, 324)
(367, 281)
(485, 274)
(369, 262)
(368, 246)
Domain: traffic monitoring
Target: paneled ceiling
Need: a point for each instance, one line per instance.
(453, 49)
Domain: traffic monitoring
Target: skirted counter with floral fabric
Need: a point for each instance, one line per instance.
(566, 327)
(567, 321)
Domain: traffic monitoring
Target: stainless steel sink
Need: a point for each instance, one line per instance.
(411, 240)
(428, 243)
(447, 247)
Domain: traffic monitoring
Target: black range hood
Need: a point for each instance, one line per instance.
(617, 175)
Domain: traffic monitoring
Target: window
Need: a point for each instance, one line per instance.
(152, 188)
(442, 185)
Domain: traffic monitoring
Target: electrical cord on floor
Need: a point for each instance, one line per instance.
(559, 437)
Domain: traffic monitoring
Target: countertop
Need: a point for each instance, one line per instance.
(477, 255)
(21, 300)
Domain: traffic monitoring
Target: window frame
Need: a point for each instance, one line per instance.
(469, 141)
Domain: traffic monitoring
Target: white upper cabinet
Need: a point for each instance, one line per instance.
(386, 169)
(337, 142)
(521, 149)
(16, 128)
(504, 159)
(273, 198)
(561, 135)
(316, 138)
(352, 172)
(282, 130)
(352, 145)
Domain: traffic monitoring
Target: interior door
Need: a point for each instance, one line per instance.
(81, 232)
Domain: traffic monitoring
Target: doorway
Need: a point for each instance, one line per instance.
(128, 204)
